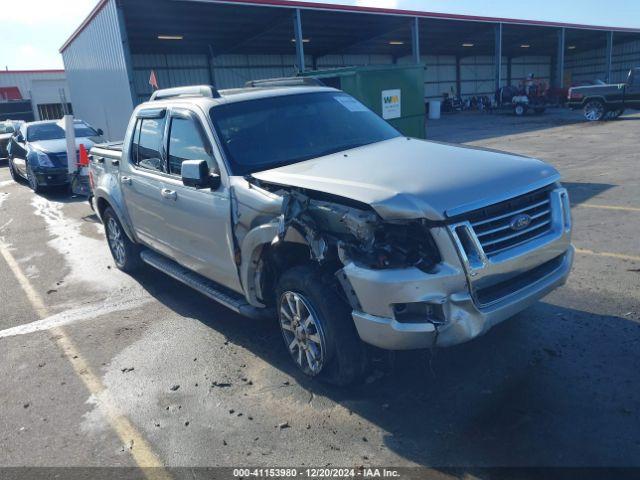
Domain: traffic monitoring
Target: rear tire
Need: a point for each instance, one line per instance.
(519, 110)
(125, 253)
(317, 327)
(594, 111)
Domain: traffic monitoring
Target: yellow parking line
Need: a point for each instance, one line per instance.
(621, 256)
(609, 207)
(141, 451)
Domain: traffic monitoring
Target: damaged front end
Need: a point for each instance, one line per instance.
(355, 233)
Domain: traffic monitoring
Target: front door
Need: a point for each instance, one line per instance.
(19, 150)
(198, 221)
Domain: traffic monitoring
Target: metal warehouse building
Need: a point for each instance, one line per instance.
(33, 94)
(109, 58)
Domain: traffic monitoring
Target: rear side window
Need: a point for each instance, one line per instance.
(147, 139)
(186, 142)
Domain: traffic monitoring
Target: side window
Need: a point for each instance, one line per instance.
(134, 142)
(147, 139)
(186, 142)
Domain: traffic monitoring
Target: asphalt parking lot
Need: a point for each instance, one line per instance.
(102, 369)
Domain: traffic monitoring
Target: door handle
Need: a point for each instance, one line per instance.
(169, 194)
(125, 180)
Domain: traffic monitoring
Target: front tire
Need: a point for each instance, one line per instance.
(613, 114)
(33, 180)
(125, 253)
(317, 327)
(594, 111)
(12, 171)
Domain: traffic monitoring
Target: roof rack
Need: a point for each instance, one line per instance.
(285, 82)
(190, 91)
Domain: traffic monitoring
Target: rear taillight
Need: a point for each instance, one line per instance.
(574, 95)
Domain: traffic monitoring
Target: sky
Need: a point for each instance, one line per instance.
(33, 32)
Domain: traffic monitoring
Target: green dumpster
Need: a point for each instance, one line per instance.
(395, 92)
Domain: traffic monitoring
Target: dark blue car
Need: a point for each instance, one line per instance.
(38, 152)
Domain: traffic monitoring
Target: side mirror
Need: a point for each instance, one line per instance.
(196, 173)
(100, 132)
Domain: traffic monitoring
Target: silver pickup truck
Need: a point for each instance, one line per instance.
(298, 202)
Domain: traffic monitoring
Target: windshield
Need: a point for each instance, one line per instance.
(270, 132)
(44, 131)
(6, 128)
(53, 131)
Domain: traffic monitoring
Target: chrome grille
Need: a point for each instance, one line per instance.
(492, 224)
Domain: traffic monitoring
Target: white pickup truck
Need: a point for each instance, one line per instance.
(297, 202)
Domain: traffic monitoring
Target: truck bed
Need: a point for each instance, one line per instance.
(109, 149)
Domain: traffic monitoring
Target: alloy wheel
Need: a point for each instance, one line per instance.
(116, 241)
(12, 171)
(31, 178)
(593, 111)
(302, 332)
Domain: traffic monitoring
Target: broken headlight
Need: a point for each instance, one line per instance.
(395, 245)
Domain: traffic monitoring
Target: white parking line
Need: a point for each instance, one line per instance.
(87, 312)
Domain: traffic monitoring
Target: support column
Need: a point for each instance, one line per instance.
(297, 28)
(498, 54)
(609, 60)
(560, 58)
(509, 79)
(210, 57)
(415, 40)
(458, 80)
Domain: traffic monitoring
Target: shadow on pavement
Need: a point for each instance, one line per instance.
(581, 192)
(552, 387)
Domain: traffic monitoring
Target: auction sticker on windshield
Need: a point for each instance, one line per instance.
(391, 104)
(351, 103)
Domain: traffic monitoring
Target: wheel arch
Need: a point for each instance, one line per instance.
(103, 201)
(265, 257)
(594, 97)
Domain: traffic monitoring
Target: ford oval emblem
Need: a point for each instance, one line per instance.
(520, 222)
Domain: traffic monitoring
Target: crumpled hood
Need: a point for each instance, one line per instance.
(60, 145)
(409, 178)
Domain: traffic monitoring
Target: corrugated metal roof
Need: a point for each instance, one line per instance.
(371, 10)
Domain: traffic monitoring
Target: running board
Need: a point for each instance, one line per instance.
(209, 288)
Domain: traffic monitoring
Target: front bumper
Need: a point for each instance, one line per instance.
(51, 177)
(521, 277)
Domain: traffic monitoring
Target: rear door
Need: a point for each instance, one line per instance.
(198, 221)
(141, 178)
